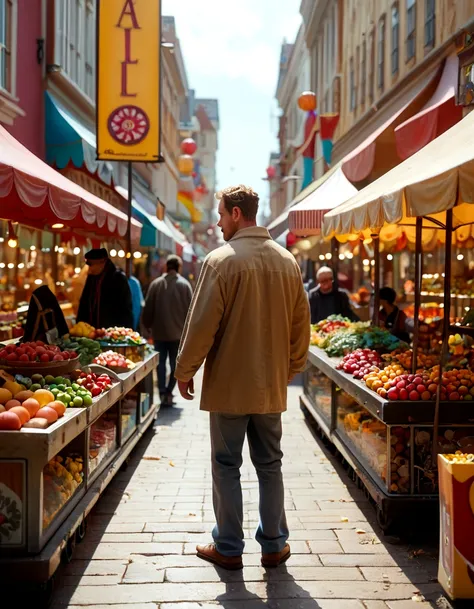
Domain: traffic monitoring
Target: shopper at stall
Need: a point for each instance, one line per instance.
(391, 317)
(166, 306)
(327, 299)
(249, 320)
(106, 300)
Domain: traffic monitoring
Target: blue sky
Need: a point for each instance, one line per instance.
(231, 50)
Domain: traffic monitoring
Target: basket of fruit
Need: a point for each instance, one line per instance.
(37, 358)
(124, 341)
(114, 361)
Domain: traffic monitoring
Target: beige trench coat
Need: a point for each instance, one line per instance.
(249, 319)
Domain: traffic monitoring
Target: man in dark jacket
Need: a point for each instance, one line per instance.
(106, 300)
(326, 299)
(166, 306)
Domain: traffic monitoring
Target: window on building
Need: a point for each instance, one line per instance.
(430, 23)
(352, 86)
(381, 53)
(90, 50)
(371, 74)
(395, 38)
(357, 76)
(6, 31)
(411, 29)
(363, 72)
(75, 42)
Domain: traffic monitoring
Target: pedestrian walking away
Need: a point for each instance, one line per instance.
(166, 306)
(249, 319)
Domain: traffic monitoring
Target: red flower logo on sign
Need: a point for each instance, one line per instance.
(128, 125)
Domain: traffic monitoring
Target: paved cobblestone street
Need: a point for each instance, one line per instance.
(139, 549)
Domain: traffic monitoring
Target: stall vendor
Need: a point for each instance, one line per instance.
(391, 317)
(106, 300)
(327, 299)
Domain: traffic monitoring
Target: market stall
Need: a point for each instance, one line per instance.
(70, 414)
(390, 428)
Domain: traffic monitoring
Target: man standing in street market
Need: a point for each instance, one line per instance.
(249, 319)
(327, 299)
(166, 306)
(106, 300)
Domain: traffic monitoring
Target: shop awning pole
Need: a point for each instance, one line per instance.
(128, 264)
(376, 241)
(418, 275)
(446, 327)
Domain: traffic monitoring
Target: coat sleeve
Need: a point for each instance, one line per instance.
(202, 323)
(83, 313)
(149, 309)
(300, 333)
(124, 297)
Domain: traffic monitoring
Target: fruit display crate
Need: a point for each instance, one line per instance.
(388, 444)
(46, 488)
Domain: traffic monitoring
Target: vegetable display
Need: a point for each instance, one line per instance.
(34, 352)
(120, 336)
(86, 348)
(114, 361)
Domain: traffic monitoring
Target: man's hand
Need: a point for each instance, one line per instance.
(186, 389)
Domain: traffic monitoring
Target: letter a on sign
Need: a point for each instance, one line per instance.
(128, 90)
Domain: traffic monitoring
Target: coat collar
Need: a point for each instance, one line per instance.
(253, 232)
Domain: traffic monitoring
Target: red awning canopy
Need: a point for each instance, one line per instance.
(436, 117)
(358, 164)
(32, 190)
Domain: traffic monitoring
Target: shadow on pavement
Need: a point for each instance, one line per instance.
(168, 415)
(97, 523)
(282, 592)
(414, 548)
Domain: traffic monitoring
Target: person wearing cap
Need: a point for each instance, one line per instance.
(166, 306)
(106, 300)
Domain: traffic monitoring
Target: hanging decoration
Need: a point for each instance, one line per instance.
(188, 146)
(185, 164)
(271, 172)
(327, 127)
(307, 102)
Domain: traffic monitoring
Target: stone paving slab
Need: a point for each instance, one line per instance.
(139, 552)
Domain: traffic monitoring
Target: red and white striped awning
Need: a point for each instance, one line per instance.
(306, 217)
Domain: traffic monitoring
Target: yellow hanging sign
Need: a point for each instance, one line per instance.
(128, 81)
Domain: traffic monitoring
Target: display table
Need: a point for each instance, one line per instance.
(387, 444)
(51, 478)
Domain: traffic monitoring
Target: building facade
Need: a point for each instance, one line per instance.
(294, 77)
(22, 34)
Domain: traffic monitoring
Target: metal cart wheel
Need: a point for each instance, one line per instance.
(68, 550)
(81, 531)
(384, 522)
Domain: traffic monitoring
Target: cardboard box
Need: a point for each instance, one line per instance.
(456, 501)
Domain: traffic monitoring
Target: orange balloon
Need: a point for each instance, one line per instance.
(185, 164)
(307, 101)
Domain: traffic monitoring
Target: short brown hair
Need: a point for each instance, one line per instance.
(173, 263)
(243, 197)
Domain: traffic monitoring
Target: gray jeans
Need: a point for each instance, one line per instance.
(227, 439)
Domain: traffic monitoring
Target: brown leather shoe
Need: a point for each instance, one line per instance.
(209, 553)
(276, 559)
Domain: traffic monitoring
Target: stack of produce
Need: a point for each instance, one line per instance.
(400, 459)
(122, 336)
(360, 335)
(61, 479)
(102, 441)
(86, 348)
(36, 351)
(405, 357)
(114, 361)
(328, 327)
(95, 383)
(460, 457)
(83, 329)
(360, 362)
